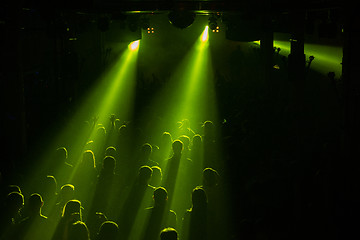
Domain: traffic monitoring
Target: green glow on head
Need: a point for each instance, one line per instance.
(205, 34)
(133, 46)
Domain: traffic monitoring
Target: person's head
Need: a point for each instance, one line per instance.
(61, 154)
(156, 176)
(49, 186)
(108, 230)
(208, 129)
(14, 202)
(168, 234)
(160, 196)
(177, 147)
(88, 158)
(72, 210)
(146, 150)
(210, 177)
(109, 164)
(67, 192)
(100, 132)
(144, 175)
(13, 188)
(110, 151)
(196, 141)
(166, 139)
(78, 231)
(35, 203)
(199, 199)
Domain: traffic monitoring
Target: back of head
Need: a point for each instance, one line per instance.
(67, 192)
(208, 129)
(61, 154)
(72, 207)
(14, 202)
(88, 159)
(210, 177)
(78, 231)
(35, 203)
(197, 140)
(145, 173)
(199, 199)
(13, 188)
(109, 164)
(108, 230)
(146, 150)
(110, 151)
(160, 195)
(177, 147)
(168, 234)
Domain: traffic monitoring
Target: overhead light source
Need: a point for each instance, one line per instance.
(181, 19)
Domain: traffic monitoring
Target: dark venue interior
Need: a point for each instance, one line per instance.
(179, 120)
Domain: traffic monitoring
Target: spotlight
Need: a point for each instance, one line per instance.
(212, 23)
(181, 19)
(133, 46)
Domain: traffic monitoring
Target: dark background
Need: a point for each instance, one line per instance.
(290, 140)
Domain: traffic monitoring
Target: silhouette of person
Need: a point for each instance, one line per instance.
(168, 234)
(48, 192)
(156, 177)
(165, 149)
(78, 231)
(103, 191)
(145, 156)
(14, 202)
(66, 194)
(195, 219)
(71, 214)
(196, 155)
(60, 168)
(172, 168)
(35, 225)
(100, 139)
(138, 197)
(108, 230)
(217, 204)
(210, 145)
(111, 151)
(159, 216)
(85, 179)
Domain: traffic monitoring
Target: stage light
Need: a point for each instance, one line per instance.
(181, 19)
(133, 46)
(216, 30)
(150, 30)
(205, 34)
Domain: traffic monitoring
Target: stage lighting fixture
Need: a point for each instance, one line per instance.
(150, 30)
(133, 46)
(181, 19)
(217, 29)
(212, 23)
